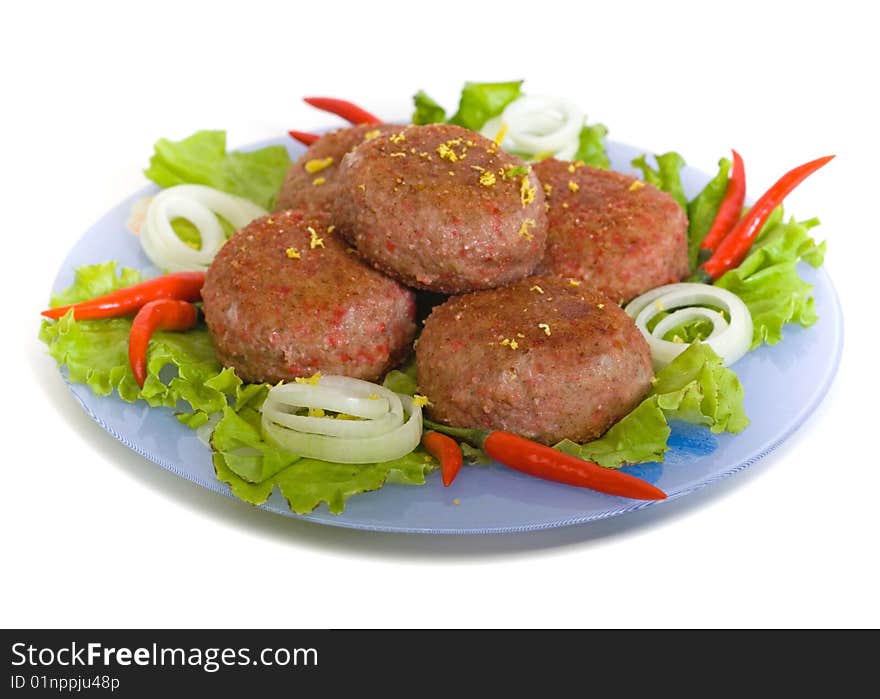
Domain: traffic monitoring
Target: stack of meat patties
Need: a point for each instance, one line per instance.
(525, 267)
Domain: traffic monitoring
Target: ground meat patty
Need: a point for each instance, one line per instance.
(545, 358)
(620, 237)
(285, 298)
(441, 208)
(310, 181)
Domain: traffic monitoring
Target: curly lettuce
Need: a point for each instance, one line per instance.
(202, 159)
(95, 352)
(695, 387)
(768, 281)
(703, 208)
(591, 148)
(666, 176)
(427, 110)
(253, 468)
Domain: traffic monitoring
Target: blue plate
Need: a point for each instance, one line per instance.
(783, 385)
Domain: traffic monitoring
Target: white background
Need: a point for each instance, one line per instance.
(94, 535)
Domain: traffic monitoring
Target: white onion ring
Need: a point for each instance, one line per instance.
(391, 428)
(200, 206)
(729, 340)
(539, 126)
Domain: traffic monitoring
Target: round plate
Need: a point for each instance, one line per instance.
(783, 385)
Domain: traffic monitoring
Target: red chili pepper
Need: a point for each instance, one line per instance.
(543, 462)
(163, 314)
(347, 110)
(184, 286)
(446, 450)
(304, 137)
(734, 248)
(731, 206)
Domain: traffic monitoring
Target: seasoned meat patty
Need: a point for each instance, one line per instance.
(441, 208)
(311, 181)
(616, 233)
(545, 357)
(286, 298)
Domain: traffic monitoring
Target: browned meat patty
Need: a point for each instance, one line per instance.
(545, 358)
(286, 298)
(441, 208)
(620, 237)
(311, 181)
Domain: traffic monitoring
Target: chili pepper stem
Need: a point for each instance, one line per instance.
(476, 438)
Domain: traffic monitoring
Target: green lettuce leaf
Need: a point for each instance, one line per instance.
(95, 352)
(703, 209)
(483, 101)
(666, 176)
(694, 388)
(640, 436)
(591, 150)
(768, 281)
(239, 439)
(253, 468)
(202, 159)
(403, 380)
(427, 110)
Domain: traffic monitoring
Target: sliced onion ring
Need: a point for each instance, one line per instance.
(539, 126)
(200, 206)
(729, 340)
(391, 428)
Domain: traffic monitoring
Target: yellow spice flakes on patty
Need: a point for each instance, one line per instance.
(487, 179)
(636, 185)
(573, 186)
(318, 181)
(316, 165)
(370, 135)
(536, 288)
(293, 253)
(420, 400)
(545, 327)
(313, 380)
(526, 191)
(524, 228)
(446, 153)
(397, 138)
(314, 240)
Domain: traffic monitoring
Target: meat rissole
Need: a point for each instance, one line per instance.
(286, 298)
(545, 358)
(616, 233)
(311, 181)
(441, 208)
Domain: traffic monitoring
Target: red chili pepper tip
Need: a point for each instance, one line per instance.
(163, 314)
(343, 108)
(184, 286)
(731, 206)
(734, 248)
(447, 451)
(304, 137)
